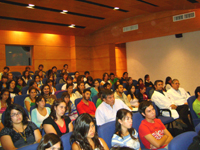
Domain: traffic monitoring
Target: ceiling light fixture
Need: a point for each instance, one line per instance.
(72, 26)
(116, 8)
(31, 6)
(64, 11)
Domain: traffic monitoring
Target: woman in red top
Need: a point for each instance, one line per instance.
(57, 122)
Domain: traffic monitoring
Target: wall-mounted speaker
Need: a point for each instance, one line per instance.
(180, 35)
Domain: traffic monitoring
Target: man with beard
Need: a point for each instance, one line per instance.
(85, 105)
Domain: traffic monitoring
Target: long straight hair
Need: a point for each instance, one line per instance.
(66, 94)
(121, 114)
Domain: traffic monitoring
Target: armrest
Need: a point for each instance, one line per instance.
(161, 110)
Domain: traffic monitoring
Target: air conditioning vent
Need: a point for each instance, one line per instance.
(184, 16)
(130, 28)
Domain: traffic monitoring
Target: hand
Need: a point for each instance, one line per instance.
(152, 147)
(173, 106)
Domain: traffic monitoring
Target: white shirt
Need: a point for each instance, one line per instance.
(179, 97)
(164, 102)
(73, 98)
(87, 85)
(105, 113)
(78, 95)
(64, 87)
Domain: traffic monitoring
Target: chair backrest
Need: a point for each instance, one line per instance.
(66, 141)
(137, 119)
(135, 83)
(156, 109)
(193, 114)
(44, 80)
(58, 79)
(20, 99)
(29, 81)
(74, 90)
(124, 85)
(99, 80)
(126, 93)
(106, 132)
(30, 147)
(113, 87)
(94, 99)
(25, 89)
(16, 73)
(147, 91)
(197, 128)
(182, 141)
(70, 73)
(59, 93)
(137, 91)
(59, 86)
(77, 101)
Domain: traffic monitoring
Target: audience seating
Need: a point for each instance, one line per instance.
(59, 71)
(74, 90)
(113, 87)
(33, 76)
(30, 147)
(58, 79)
(147, 91)
(20, 99)
(29, 81)
(126, 93)
(25, 89)
(182, 141)
(59, 93)
(70, 73)
(124, 85)
(44, 80)
(59, 86)
(197, 128)
(16, 73)
(77, 101)
(194, 117)
(135, 83)
(66, 141)
(94, 99)
(99, 80)
(106, 132)
(34, 106)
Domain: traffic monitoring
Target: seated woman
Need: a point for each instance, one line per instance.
(50, 141)
(105, 79)
(5, 101)
(72, 95)
(148, 83)
(80, 88)
(168, 83)
(10, 77)
(29, 70)
(34, 84)
(40, 113)
(41, 75)
(47, 94)
(3, 82)
(99, 100)
(52, 89)
(89, 82)
(18, 131)
(84, 136)
(30, 100)
(95, 90)
(64, 79)
(132, 98)
(129, 83)
(37, 80)
(57, 122)
(140, 83)
(26, 76)
(141, 96)
(53, 79)
(20, 83)
(14, 91)
(125, 135)
(76, 74)
(71, 111)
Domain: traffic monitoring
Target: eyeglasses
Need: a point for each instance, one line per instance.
(17, 114)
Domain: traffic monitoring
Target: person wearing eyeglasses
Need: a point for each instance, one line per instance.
(18, 131)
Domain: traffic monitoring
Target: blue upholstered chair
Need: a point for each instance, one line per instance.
(58, 79)
(24, 90)
(66, 141)
(94, 99)
(182, 141)
(20, 99)
(195, 119)
(59, 93)
(59, 86)
(30, 147)
(197, 128)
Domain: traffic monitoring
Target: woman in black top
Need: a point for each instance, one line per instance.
(147, 81)
(14, 91)
(57, 122)
(18, 131)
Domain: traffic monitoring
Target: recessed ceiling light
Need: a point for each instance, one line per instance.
(64, 11)
(72, 26)
(30, 6)
(116, 8)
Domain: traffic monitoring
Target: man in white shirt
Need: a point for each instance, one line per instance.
(179, 97)
(162, 100)
(107, 110)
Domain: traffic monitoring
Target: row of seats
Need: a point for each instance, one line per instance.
(106, 131)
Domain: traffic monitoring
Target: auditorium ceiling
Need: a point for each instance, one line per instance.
(79, 17)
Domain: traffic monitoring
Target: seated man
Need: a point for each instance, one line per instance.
(119, 94)
(107, 110)
(87, 74)
(179, 98)
(152, 131)
(161, 99)
(196, 103)
(85, 105)
(5, 71)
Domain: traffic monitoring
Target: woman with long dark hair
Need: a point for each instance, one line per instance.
(140, 83)
(20, 83)
(132, 96)
(52, 89)
(14, 91)
(80, 88)
(26, 76)
(37, 80)
(147, 81)
(89, 82)
(47, 94)
(30, 100)
(70, 92)
(105, 79)
(18, 131)
(168, 83)
(95, 90)
(71, 108)
(84, 136)
(125, 135)
(57, 122)
(129, 83)
(50, 141)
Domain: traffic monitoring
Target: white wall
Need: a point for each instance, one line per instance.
(166, 56)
